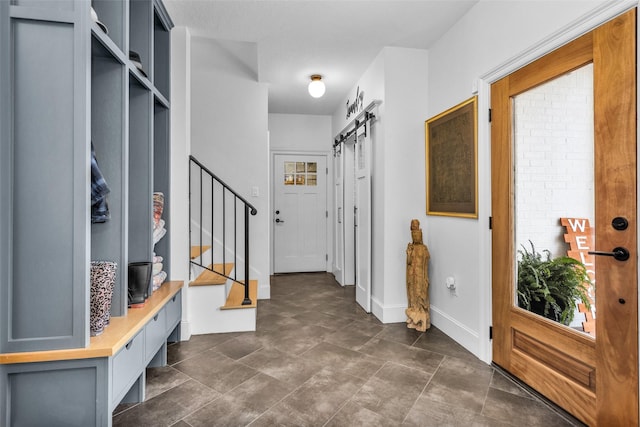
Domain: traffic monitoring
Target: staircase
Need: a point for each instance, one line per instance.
(219, 297)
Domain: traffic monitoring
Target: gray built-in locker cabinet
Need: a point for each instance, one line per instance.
(65, 83)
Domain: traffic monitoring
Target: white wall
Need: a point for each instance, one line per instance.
(406, 98)
(397, 77)
(180, 150)
(491, 33)
(229, 132)
(300, 133)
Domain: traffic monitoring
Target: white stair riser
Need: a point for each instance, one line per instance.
(205, 316)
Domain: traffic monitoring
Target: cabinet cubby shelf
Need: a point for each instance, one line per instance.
(112, 15)
(107, 44)
(142, 80)
(161, 100)
(140, 33)
(161, 63)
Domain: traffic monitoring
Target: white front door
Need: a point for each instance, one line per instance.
(363, 217)
(300, 213)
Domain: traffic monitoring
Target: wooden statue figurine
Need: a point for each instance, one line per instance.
(417, 281)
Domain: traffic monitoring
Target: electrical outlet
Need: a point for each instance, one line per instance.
(450, 283)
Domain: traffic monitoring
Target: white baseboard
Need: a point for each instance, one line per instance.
(185, 330)
(460, 333)
(264, 291)
(337, 274)
(388, 313)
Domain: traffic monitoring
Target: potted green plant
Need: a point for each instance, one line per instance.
(551, 287)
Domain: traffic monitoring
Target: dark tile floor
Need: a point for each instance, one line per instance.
(317, 359)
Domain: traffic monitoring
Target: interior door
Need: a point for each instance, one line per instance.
(363, 217)
(349, 186)
(338, 264)
(593, 377)
(300, 214)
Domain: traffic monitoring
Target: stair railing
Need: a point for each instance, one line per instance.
(218, 214)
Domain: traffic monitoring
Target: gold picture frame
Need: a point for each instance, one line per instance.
(451, 146)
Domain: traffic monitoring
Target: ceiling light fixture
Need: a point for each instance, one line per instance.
(316, 86)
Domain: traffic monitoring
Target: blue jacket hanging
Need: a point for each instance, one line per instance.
(99, 191)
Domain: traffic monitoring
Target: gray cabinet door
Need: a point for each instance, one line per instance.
(44, 183)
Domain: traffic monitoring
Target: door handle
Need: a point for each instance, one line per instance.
(619, 253)
(278, 220)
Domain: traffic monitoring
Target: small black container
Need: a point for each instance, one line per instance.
(139, 280)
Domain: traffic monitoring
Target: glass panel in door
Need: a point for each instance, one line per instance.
(554, 200)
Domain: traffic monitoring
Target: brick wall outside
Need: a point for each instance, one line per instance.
(554, 159)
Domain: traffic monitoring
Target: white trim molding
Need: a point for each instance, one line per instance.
(388, 313)
(185, 330)
(460, 333)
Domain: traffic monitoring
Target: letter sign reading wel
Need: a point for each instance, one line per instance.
(580, 238)
(581, 242)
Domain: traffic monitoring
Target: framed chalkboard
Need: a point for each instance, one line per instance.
(451, 161)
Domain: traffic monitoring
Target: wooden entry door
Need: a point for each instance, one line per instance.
(594, 378)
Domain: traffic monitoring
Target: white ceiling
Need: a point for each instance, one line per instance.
(337, 39)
